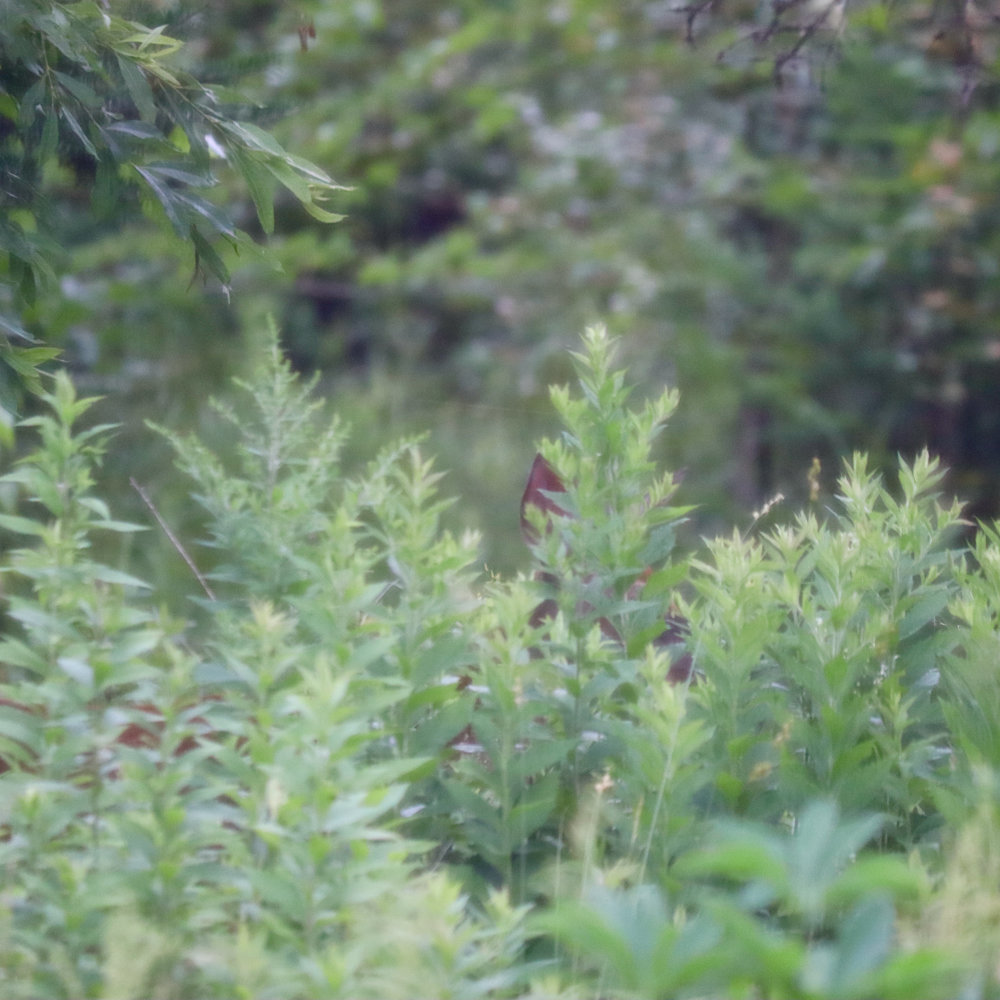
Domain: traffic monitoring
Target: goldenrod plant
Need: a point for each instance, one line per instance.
(352, 766)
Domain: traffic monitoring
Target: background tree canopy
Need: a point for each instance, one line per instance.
(788, 209)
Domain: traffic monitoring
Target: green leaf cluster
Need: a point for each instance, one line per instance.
(89, 93)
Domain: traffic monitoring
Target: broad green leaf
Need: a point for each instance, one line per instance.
(361, 809)
(78, 670)
(20, 732)
(588, 934)
(434, 734)
(878, 873)
(535, 808)
(17, 653)
(928, 606)
(476, 808)
(740, 860)
(535, 758)
(863, 944)
(22, 525)
(665, 580)
(136, 643)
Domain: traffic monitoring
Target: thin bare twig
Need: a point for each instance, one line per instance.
(173, 538)
(691, 12)
(806, 32)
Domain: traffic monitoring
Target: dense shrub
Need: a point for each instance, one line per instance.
(359, 769)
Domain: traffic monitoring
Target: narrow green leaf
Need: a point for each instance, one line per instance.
(136, 129)
(212, 214)
(115, 576)
(181, 174)
(260, 184)
(26, 360)
(12, 328)
(321, 214)
(165, 197)
(254, 137)
(926, 609)
(536, 807)
(32, 103)
(404, 769)
(81, 90)
(138, 88)
(205, 254)
(77, 129)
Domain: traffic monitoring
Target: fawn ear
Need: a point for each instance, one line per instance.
(543, 481)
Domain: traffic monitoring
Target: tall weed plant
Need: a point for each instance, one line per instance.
(357, 768)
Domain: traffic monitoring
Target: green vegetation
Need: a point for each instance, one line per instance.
(787, 210)
(319, 752)
(93, 105)
(358, 770)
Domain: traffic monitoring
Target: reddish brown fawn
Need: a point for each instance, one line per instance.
(136, 735)
(543, 486)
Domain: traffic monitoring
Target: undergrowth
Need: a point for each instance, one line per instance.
(358, 769)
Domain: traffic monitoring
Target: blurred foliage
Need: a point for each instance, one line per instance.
(790, 209)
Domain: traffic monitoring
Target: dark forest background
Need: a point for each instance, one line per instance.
(787, 210)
